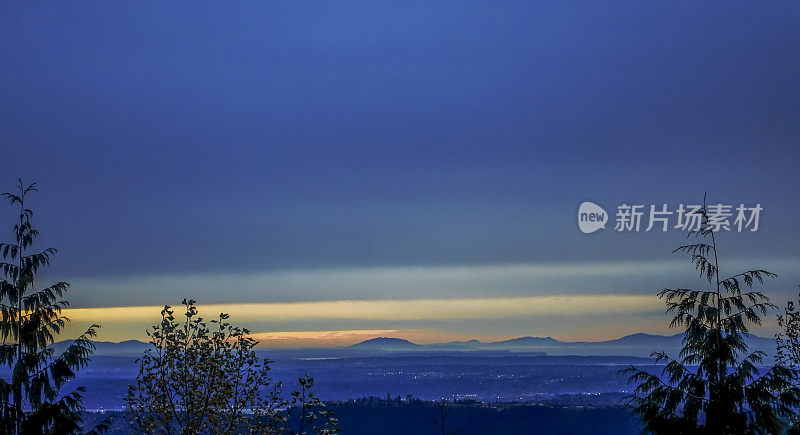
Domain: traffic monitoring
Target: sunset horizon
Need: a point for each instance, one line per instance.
(399, 218)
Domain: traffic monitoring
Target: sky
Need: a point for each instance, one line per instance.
(333, 171)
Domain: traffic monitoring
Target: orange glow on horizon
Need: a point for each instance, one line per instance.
(556, 316)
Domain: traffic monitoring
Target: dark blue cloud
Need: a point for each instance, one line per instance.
(193, 137)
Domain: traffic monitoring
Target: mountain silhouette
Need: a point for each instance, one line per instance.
(638, 345)
(385, 343)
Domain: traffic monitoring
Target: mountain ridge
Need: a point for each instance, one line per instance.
(636, 344)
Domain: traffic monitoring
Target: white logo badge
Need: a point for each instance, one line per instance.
(591, 217)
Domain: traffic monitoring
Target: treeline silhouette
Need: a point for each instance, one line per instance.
(205, 377)
(716, 385)
(30, 401)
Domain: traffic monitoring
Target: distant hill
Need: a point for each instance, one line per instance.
(635, 345)
(641, 338)
(527, 341)
(123, 348)
(638, 345)
(385, 343)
